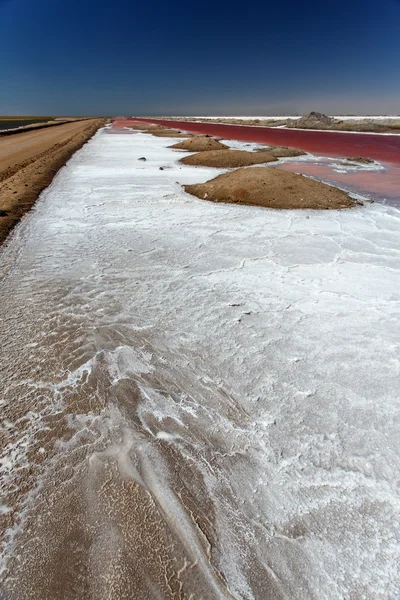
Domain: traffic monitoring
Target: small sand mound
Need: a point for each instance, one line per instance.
(265, 186)
(364, 126)
(139, 126)
(228, 159)
(174, 133)
(314, 120)
(200, 144)
(160, 131)
(361, 159)
(282, 151)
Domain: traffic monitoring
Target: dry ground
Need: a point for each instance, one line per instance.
(282, 151)
(266, 186)
(29, 161)
(360, 159)
(159, 131)
(228, 159)
(200, 144)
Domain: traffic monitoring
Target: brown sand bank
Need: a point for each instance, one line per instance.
(229, 159)
(282, 151)
(200, 144)
(266, 186)
(360, 159)
(29, 161)
(143, 127)
(160, 131)
(169, 133)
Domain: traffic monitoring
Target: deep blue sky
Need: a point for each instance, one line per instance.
(213, 57)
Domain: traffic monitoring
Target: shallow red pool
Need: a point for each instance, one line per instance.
(381, 147)
(383, 185)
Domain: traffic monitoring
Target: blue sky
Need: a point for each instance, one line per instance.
(158, 57)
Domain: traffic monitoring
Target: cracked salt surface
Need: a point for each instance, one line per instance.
(261, 353)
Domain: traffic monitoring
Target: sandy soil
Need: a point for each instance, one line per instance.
(29, 161)
(168, 133)
(227, 160)
(316, 120)
(360, 159)
(160, 131)
(264, 186)
(200, 144)
(282, 151)
(20, 127)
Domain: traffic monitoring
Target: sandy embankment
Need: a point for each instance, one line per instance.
(229, 159)
(282, 151)
(266, 186)
(29, 161)
(25, 125)
(159, 131)
(200, 144)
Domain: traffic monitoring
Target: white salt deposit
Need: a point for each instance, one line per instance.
(275, 337)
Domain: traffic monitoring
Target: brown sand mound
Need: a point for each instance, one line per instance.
(142, 126)
(361, 159)
(314, 120)
(282, 151)
(160, 131)
(200, 144)
(264, 186)
(228, 159)
(174, 133)
(365, 126)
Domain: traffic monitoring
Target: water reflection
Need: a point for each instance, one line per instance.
(380, 182)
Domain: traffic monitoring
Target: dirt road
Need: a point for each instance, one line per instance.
(29, 161)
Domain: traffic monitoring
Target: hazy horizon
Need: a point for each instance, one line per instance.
(208, 115)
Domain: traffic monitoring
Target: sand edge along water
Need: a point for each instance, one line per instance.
(229, 159)
(269, 187)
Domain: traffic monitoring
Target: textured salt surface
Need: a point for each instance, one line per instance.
(234, 370)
